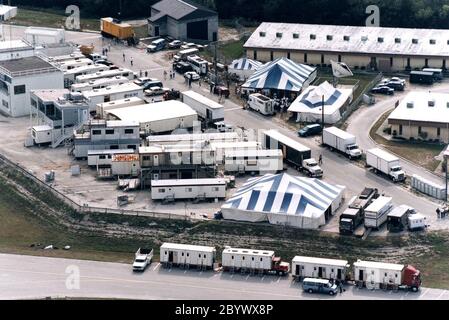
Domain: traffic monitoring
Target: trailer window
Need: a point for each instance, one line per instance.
(182, 254)
(232, 257)
(243, 258)
(129, 131)
(252, 258)
(199, 256)
(165, 252)
(204, 256)
(385, 274)
(332, 270)
(261, 259)
(188, 254)
(110, 131)
(96, 132)
(161, 190)
(396, 275)
(102, 157)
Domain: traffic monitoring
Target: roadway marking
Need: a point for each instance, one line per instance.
(424, 293)
(233, 109)
(279, 279)
(157, 266)
(441, 294)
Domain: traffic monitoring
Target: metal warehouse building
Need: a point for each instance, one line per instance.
(373, 48)
(183, 20)
(422, 116)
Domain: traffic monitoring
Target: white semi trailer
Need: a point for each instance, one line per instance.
(309, 267)
(342, 141)
(377, 212)
(184, 255)
(385, 163)
(207, 109)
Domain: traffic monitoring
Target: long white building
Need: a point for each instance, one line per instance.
(384, 49)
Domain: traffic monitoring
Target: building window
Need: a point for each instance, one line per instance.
(271, 55)
(161, 190)
(278, 34)
(262, 34)
(305, 57)
(132, 146)
(380, 39)
(129, 131)
(397, 40)
(216, 189)
(288, 55)
(329, 37)
(322, 59)
(419, 130)
(339, 58)
(110, 131)
(189, 189)
(391, 61)
(426, 63)
(255, 54)
(433, 41)
(408, 63)
(114, 147)
(312, 37)
(400, 129)
(296, 36)
(19, 89)
(346, 38)
(415, 41)
(438, 132)
(96, 132)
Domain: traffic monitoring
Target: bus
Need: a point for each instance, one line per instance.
(183, 54)
(156, 45)
(126, 73)
(198, 64)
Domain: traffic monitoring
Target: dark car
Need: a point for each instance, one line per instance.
(183, 67)
(151, 84)
(172, 95)
(104, 62)
(396, 85)
(224, 91)
(310, 130)
(383, 90)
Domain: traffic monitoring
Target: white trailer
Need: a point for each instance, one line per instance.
(42, 134)
(7, 12)
(102, 108)
(72, 56)
(158, 117)
(379, 275)
(125, 73)
(377, 212)
(184, 255)
(42, 36)
(416, 221)
(207, 109)
(125, 164)
(103, 158)
(193, 138)
(70, 75)
(309, 267)
(112, 93)
(342, 141)
(188, 189)
(261, 103)
(222, 148)
(386, 163)
(261, 161)
(260, 261)
(75, 63)
(98, 84)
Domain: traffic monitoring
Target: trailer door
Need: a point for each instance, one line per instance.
(339, 274)
(297, 270)
(360, 275)
(170, 256)
(320, 272)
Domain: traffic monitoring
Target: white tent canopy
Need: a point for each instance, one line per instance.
(308, 105)
(283, 199)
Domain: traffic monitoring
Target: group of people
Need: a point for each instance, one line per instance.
(442, 212)
(131, 61)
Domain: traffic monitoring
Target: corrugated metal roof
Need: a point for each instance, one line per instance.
(350, 39)
(180, 9)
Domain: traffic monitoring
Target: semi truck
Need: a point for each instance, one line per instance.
(295, 154)
(143, 259)
(353, 216)
(387, 276)
(341, 141)
(422, 77)
(377, 212)
(386, 163)
(113, 28)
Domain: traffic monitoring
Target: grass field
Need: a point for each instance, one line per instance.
(420, 153)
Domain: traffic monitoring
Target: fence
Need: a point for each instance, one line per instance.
(93, 209)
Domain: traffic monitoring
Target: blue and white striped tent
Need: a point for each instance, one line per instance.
(284, 199)
(244, 68)
(282, 74)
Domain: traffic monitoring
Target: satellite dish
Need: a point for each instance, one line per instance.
(341, 70)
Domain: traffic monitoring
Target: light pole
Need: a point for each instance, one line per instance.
(446, 159)
(322, 119)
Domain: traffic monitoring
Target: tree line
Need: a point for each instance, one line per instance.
(393, 13)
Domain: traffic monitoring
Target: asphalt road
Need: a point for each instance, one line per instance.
(26, 277)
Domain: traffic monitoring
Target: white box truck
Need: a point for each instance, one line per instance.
(377, 212)
(386, 163)
(342, 141)
(261, 103)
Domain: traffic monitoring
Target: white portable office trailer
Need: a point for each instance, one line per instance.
(44, 36)
(126, 73)
(70, 75)
(193, 138)
(377, 212)
(158, 117)
(112, 93)
(261, 161)
(222, 148)
(309, 267)
(188, 189)
(103, 158)
(98, 84)
(247, 259)
(125, 164)
(185, 255)
(117, 104)
(207, 109)
(373, 274)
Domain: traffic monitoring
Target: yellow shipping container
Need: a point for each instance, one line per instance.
(122, 31)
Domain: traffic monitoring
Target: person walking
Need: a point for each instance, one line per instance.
(340, 286)
(132, 61)
(124, 57)
(140, 73)
(320, 161)
(438, 213)
(165, 75)
(146, 74)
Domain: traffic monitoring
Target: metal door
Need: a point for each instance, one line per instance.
(156, 160)
(339, 274)
(298, 270)
(320, 272)
(170, 256)
(361, 275)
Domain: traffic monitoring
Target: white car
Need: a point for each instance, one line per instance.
(193, 75)
(175, 44)
(156, 91)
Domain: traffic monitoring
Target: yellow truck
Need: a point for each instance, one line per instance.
(112, 28)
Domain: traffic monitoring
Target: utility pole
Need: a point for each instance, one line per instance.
(216, 62)
(322, 119)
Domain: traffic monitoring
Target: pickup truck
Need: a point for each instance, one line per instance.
(143, 259)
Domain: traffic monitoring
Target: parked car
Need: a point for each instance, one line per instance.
(396, 85)
(383, 90)
(224, 90)
(172, 95)
(175, 44)
(143, 80)
(183, 67)
(398, 80)
(310, 130)
(312, 285)
(156, 91)
(151, 84)
(192, 75)
(104, 62)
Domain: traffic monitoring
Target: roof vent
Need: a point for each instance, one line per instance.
(410, 105)
(431, 103)
(364, 38)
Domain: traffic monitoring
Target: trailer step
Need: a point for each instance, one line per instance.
(367, 233)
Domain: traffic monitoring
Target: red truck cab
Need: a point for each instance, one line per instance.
(412, 278)
(280, 267)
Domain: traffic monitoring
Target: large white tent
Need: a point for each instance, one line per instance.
(286, 200)
(244, 68)
(281, 74)
(308, 105)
